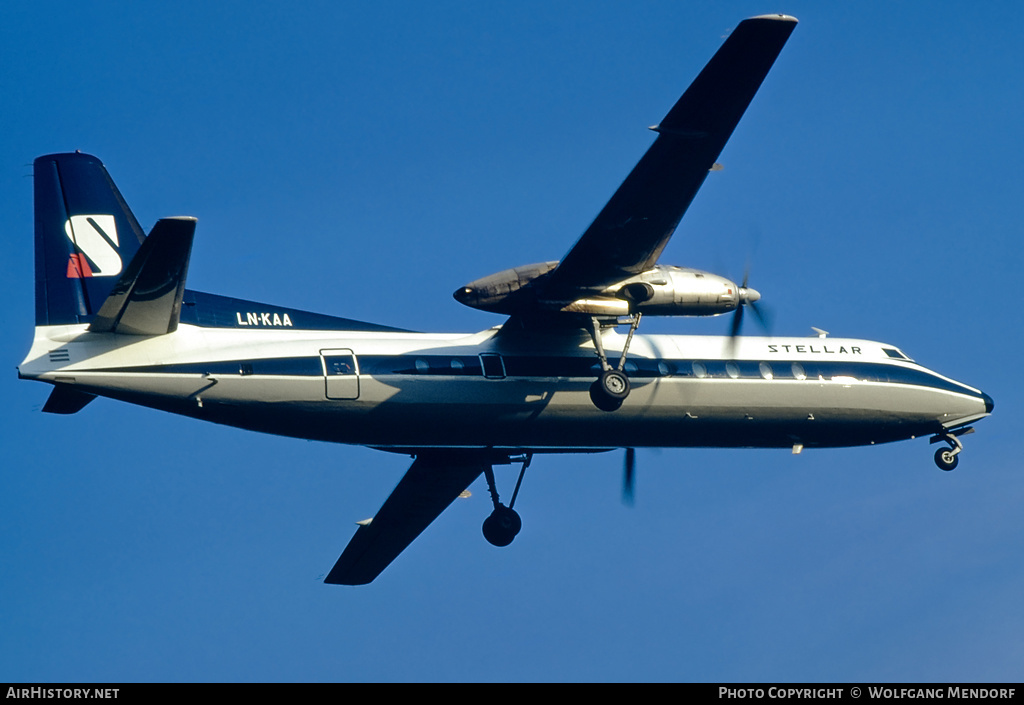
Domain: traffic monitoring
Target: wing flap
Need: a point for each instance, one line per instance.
(147, 298)
(633, 228)
(427, 488)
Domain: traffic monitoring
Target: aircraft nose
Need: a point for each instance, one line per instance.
(989, 404)
(463, 294)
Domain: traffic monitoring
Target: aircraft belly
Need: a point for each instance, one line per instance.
(114, 384)
(269, 390)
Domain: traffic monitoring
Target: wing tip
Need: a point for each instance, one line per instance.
(776, 17)
(345, 579)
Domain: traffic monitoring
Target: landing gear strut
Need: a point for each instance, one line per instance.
(611, 388)
(501, 527)
(946, 458)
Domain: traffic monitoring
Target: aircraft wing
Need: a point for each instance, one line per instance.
(426, 490)
(630, 232)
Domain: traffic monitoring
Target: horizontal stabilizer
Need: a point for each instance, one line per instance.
(66, 400)
(426, 490)
(147, 298)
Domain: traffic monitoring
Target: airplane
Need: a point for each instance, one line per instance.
(114, 319)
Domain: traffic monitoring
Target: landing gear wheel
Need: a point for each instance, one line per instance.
(609, 390)
(614, 384)
(946, 459)
(501, 527)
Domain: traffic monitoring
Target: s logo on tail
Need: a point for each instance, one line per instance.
(94, 239)
(85, 236)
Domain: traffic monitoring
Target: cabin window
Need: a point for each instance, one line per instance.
(339, 365)
(422, 366)
(699, 370)
(798, 371)
(663, 369)
(732, 369)
(493, 366)
(766, 370)
(458, 364)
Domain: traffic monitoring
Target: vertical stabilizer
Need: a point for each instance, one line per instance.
(85, 237)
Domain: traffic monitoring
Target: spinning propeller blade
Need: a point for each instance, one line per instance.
(629, 476)
(747, 298)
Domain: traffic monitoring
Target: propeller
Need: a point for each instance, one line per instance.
(748, 298)
(629, 476)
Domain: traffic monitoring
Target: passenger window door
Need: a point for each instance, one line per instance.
(341, 374)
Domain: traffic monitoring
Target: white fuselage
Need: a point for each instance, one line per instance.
(408, 391)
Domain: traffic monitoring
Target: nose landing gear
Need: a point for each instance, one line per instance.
(947, 458)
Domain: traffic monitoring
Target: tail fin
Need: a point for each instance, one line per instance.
(85, 236)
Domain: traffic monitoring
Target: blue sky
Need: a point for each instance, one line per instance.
(364, 160)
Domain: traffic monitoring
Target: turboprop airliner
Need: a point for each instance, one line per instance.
(566, 372)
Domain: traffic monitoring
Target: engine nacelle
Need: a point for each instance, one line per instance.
(500, 292)
(660, 291)
(676, 291)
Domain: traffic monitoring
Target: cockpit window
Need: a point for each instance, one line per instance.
(895, 354)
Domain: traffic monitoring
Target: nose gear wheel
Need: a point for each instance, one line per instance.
(948, 458)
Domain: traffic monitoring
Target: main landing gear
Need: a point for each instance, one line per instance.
(503, 524)
(946, 458)
(611, 387)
